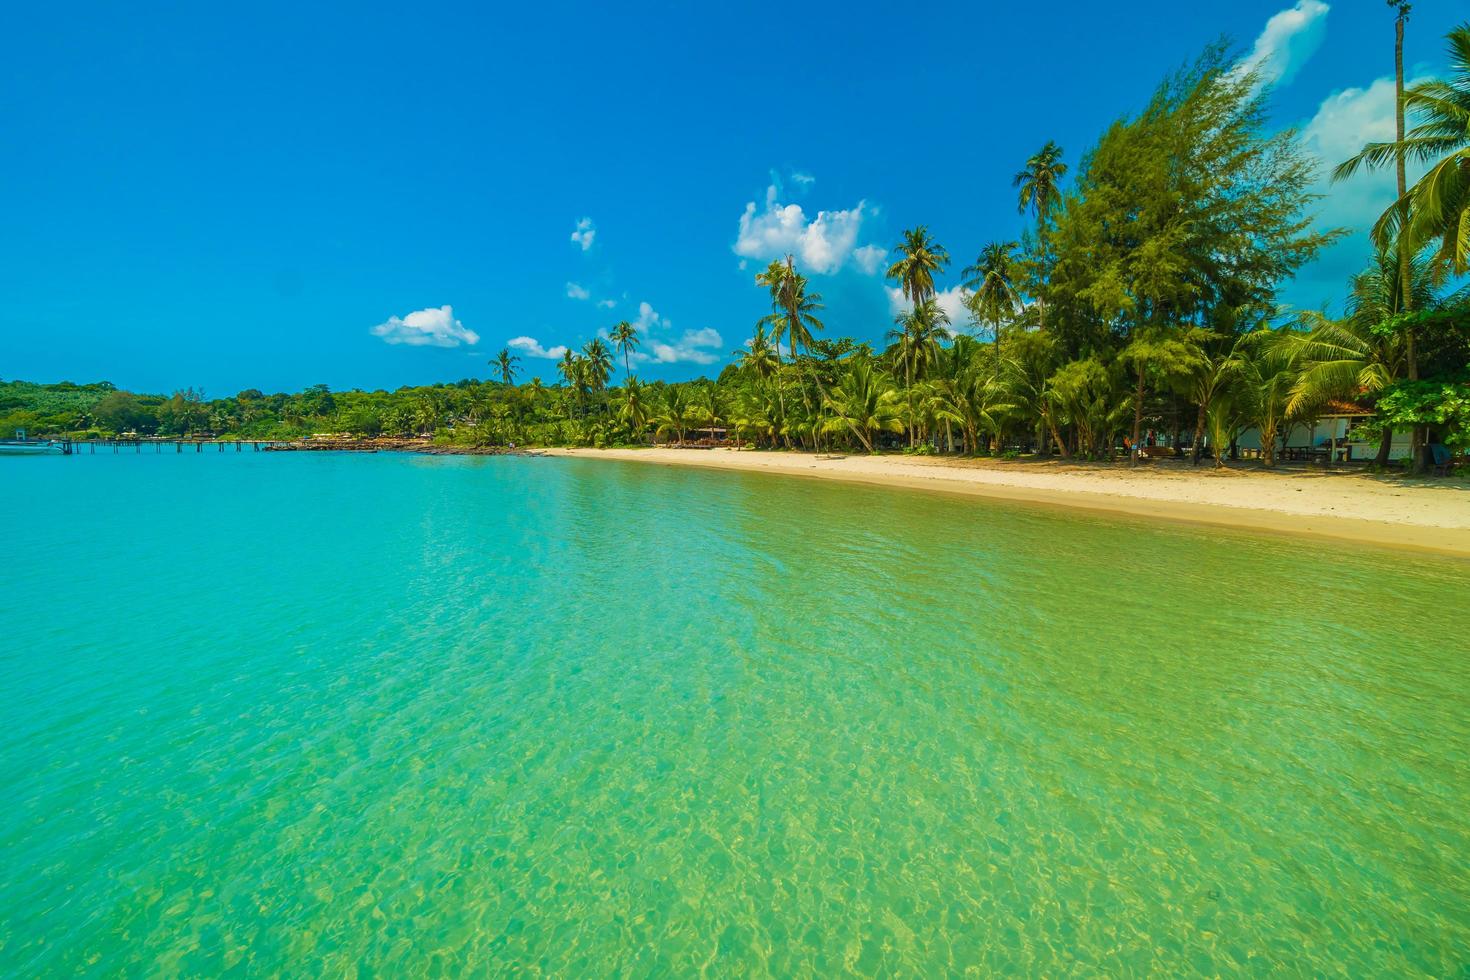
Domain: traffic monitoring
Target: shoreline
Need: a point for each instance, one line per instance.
(1352, 507)
(379, 445)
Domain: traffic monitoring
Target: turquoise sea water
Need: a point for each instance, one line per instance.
(394, 716)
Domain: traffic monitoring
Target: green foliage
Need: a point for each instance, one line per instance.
(1443, 404)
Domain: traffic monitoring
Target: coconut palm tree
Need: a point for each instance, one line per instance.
(1255, 381)
(917, 340)
(793, 309)
(773, 278)
(573, 373)
(921, 258)
(1355, 356)
(968, 396)
(505, 362)
(598, 361)
(1040, 182)
(800, 313)
(625, 337)
(567, 367)
(758, 358)
(863, 404)
(993, 297)
(1437, 207)
(675, 415)
(634, 411)
(710, 405)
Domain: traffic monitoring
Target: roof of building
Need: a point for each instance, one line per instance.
(1338, 407)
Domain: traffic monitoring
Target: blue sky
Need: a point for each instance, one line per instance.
(276, 195)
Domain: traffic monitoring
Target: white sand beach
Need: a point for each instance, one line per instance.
(1426, 514)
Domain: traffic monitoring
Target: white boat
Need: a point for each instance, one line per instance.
(22, 446)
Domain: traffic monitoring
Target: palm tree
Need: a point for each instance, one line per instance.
(598, 360)
(1040, 189)
(1352, 357)
(1438, 205)
(1265, 365)
(967, 395)
(634, 410)
(916, 347)
(1401, 11)
(921, 259)
(793, 309)
(676, 413)
(800, 313)
(567, 367)
(993, 295)
(759, 358)
(1040, 182)
(505, 362)
(428, 412)
(625, 337)
(863, 403)
(710, 406)
(573, 371)
(773, 278)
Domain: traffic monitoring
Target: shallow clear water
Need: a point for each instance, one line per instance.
(412, 715)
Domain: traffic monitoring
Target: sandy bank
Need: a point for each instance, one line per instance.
(1427, 515)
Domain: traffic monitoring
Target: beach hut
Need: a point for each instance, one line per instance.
(1336, 428)
(707, 438)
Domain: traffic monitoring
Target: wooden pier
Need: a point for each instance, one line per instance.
(71, 447)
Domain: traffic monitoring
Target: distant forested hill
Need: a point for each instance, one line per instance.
(46, 408)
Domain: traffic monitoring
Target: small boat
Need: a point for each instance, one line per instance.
(23, 446)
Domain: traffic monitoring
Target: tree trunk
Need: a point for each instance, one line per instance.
(1137, 417)
(1406, 280)
(1199, 433)
(910, 397)
(1385, 446)
(1057, 438)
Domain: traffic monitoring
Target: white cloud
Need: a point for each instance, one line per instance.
(951, 301)
(607, 304)
(575, 291)
(660, 346)
(1290, 37)
(821, 245)
(691, 347)
(1343, 122)
(532, 348)
(648, 318)
(432, 327)
(869, 258)
(584, 233)
(694, 347)
(805, 180)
